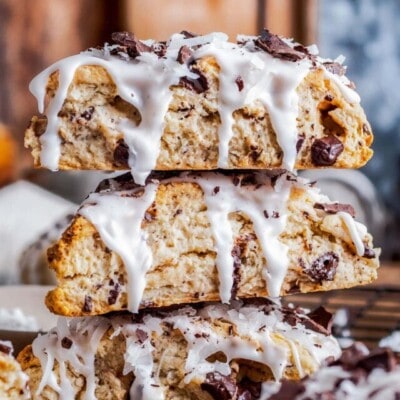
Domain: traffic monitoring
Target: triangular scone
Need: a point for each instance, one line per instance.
(13, 382)
(255, 104)
(189, 353)
(211, 236)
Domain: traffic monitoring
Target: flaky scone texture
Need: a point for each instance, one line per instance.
(93, 110)
(157, 348)
(92, 279)
(13, 382)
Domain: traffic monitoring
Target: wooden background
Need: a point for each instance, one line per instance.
(34, 34)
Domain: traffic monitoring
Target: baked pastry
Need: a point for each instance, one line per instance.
(358, 374)
(191, 237)
(13, 382)
(197, 103)
(188, 353)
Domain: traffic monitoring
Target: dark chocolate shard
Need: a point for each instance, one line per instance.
(333, 208)
(188, 34)
(323, 268)
(334, 67)
(378, 358)
(184, 54)
(323, 318)
(275, 46)
(4, 348)
(66, 342)
(121, 154)
(325, 151)
(134, 46)
(219, 387)
(198, 85)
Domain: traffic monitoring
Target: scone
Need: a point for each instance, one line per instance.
(197, 103)
(211, 236)
(358, 374)
(13, 382)
(191, 353)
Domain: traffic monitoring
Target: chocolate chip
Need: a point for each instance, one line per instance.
(275, 46)
(275, 214)
(300, 141)
(87, 305)
(334, 208)
(216, 190)
(368, 252)
(87, 114)
(6, 349)
(378, 358)
(325, 151)
(265, 212)
(323, 318)
(334, 68)
(66, 342)
(113, 294)
(141, 335)
(133, 45)
(323, 268)
(289, 390)
(219, 387)
(121, 154)
(239, 82)
(184, 54)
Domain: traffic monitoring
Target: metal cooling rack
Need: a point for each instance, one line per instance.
(373, 312)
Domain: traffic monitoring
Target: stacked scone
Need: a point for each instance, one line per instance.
(209, 224)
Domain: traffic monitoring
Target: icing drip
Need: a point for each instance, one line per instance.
(145, 83)
(356, 230)
(84, 335)
(118, 217)
(260, 335)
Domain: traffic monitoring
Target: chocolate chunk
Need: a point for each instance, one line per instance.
(275, 214)
(323, 318)
(300, 141)
(237, 262)
(334, 208)
(323, 268)
(113, 294)
(289, 390)
(216, 190)
(334, 68)
(368, 252)
(188, 34)
(325, 151)
(87, 305)
(378, 358)
(141, 335)
(121, 154)
(239, 82)
(198, 85)
(219, 387)
(184, 54)
(275, 46)
(66, 342)
(4, 348)
(249, 388)
(160, 48)
(266, 215)
(87, 114)
(133, 45)
(351, 355)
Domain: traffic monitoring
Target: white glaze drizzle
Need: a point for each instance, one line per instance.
(145, 81)
(356, 230)
(117, 217)
(85, 334)
(253, 342)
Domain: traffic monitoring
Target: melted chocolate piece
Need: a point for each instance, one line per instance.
(219, 387)
(66, 342)
(5, 349)
(325, 151)
(323, 268)
(121, 154)
(335, 208)
(334, 68)
(87, 305)
(184, 54)
(275, 46)
(133, 45)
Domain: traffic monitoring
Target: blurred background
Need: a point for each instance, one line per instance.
(34, 34)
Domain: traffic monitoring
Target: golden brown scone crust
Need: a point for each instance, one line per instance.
(184, 259)
(190, 137)
(169, 356)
